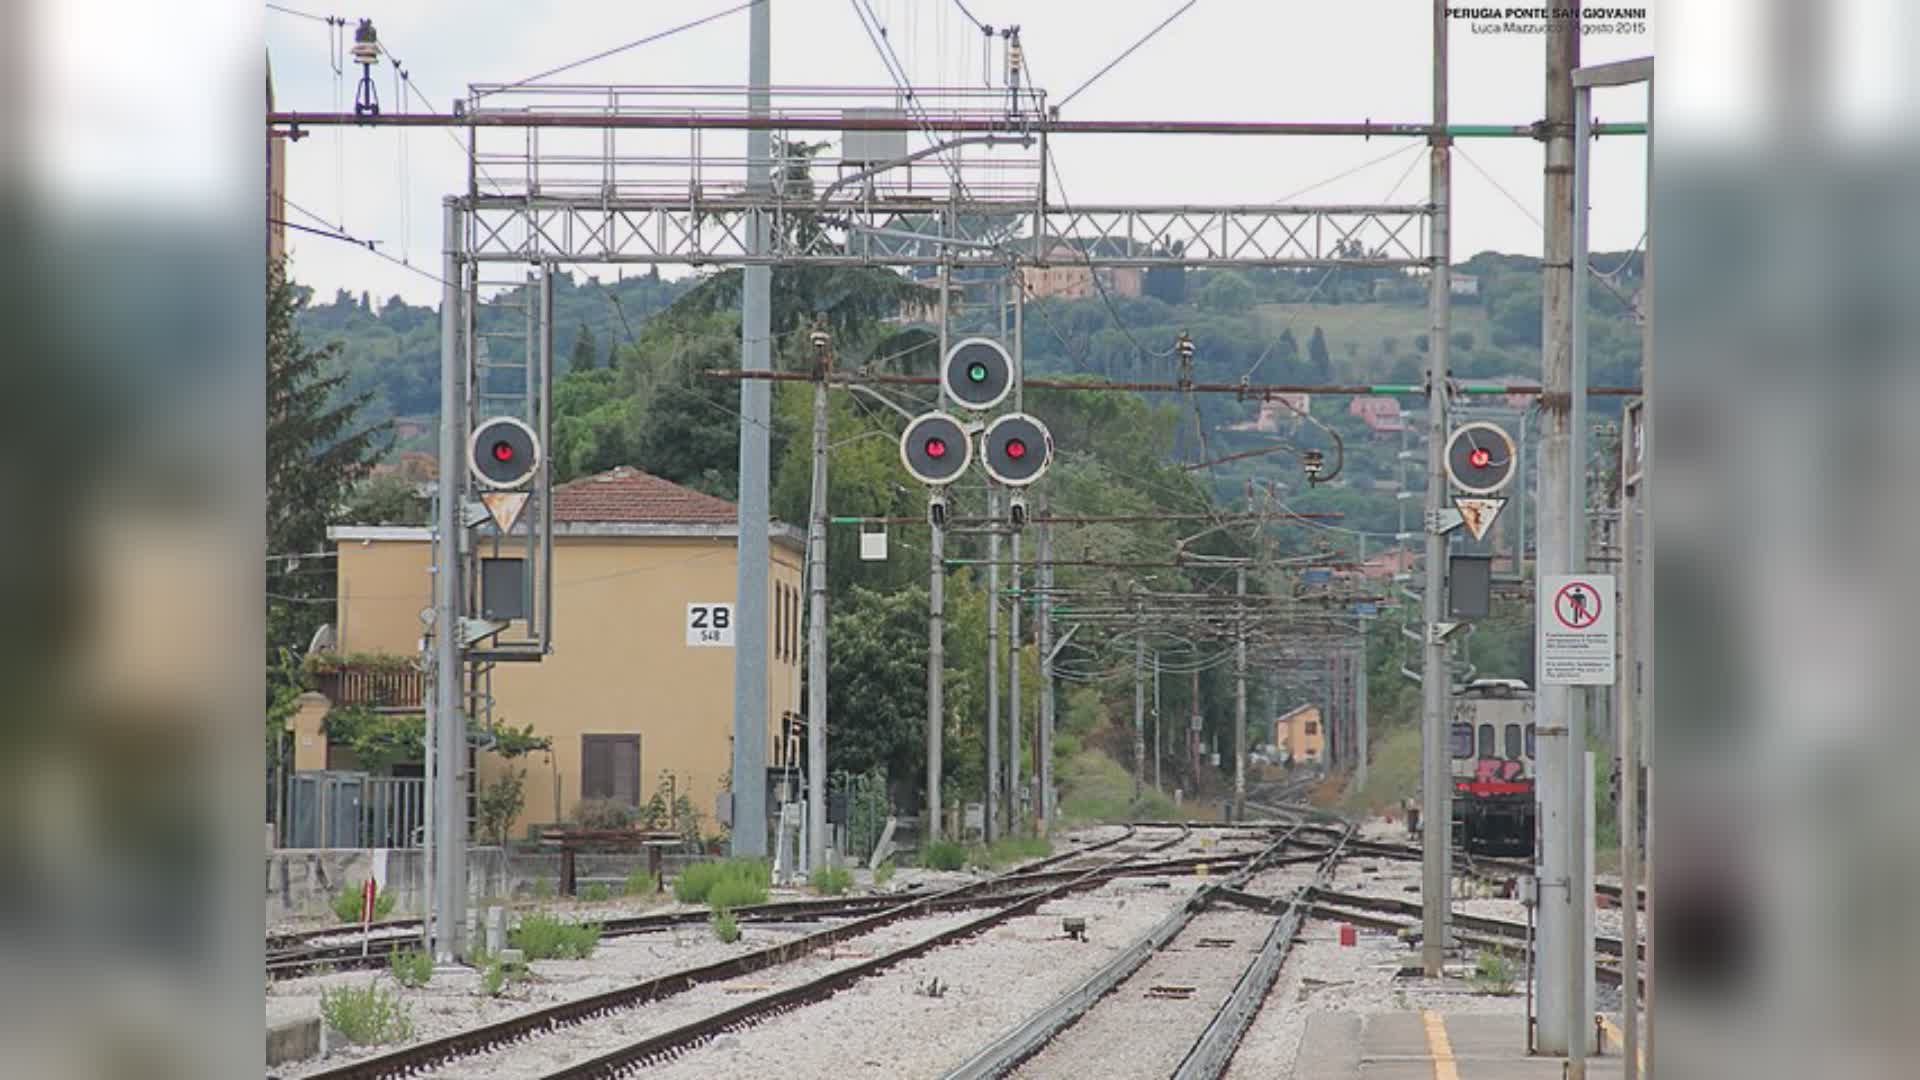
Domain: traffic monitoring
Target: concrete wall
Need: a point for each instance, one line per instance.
(620, 665)
(303, 881)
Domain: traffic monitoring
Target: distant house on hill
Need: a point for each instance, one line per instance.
(1382, 415)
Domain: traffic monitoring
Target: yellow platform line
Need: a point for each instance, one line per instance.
(1438, 1044)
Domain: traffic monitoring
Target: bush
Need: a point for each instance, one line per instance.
(1013, 849)
(832, 880)
(640, 883)
(367, 1015)
(725, 926)
(883, 873)
(499, 802)
(944, 855)
(737, 881)
(411, 967)
(346, 903)
(596, 892)
(604, 814)
(493, 978)
(542, 937)
(1493, 973)
(543, 888)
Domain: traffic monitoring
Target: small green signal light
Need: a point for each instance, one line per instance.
(977, 372)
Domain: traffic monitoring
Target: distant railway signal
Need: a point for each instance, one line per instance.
(503, 453)
(977, 374)
(1480, 458)
(1016, 449)
(935, 449)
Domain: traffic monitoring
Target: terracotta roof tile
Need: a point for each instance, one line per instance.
(626, 494)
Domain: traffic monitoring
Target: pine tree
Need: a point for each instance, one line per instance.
(1319, 364)
(586, 351)
(316, 452)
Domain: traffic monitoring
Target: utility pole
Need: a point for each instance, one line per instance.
(1561, 745)
(1642, 672)
(1139, 705)
(993, 668)
(1240, 694)
(817, 610)
(1014, 811)
(447, 917)
(1044, 767)
(749, 825)
(1436, 817)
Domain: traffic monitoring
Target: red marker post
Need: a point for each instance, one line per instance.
(366, 916)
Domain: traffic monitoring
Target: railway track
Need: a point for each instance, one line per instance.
(1498, 870)
(1006, 893)
(1219, 1032)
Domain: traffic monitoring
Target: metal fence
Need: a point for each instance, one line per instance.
(863, 808)
(329, 809)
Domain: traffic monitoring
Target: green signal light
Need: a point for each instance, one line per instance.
(977, 372)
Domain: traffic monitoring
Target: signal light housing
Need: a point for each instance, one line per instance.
(935, 448)
(977, 374)
(1017, 513)
(503, 454)
(1016, 449)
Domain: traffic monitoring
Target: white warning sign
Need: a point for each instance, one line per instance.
(1575, 630)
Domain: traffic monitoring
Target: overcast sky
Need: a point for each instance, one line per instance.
(1325, 60)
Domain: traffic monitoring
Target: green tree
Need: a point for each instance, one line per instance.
(317, 450)
(1319, 363)
(385, 500)
(1227, 292)
(585, 350)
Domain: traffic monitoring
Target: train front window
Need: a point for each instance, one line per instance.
(1513, 742)
(1529, 740)
(1463, 740)
(1487, 746)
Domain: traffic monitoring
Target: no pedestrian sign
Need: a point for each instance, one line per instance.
(1576, 621)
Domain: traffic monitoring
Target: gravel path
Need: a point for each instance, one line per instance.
(1131, 1034)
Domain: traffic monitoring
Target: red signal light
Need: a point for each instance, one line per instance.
(1016, 448)
(936, 448)
(503, 451)
(1480, 459)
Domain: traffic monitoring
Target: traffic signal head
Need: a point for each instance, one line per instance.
(1017, 449)
(977, 374)
(503, 453)
(935, 449)
(1017, 513)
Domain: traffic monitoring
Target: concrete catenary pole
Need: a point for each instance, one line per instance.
(1643, 640)
(448, 912)
(1559, 754)
(1240, 694)
(1436, 812)
(936, 626)
(1044, 767)
(749, 765)
(1139, 705)
(993, 669)
(1579, 877)
(1015, 810)
(1157, 735)
(1360, 693)
(817, 620)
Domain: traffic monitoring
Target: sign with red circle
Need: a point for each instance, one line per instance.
(1574, 643)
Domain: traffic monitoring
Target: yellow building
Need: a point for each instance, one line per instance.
(624, 696)
(1300, 736)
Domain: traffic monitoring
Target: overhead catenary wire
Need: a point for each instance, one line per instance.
(1131, 49)
(634, 44)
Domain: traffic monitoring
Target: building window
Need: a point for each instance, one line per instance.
(1313, 727)
(610, 768)
(780, 622)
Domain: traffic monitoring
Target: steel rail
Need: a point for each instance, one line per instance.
(420, 1057)
(1211, 1053)
(671, 1043)
(1007, 1052)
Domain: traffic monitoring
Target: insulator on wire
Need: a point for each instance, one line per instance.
(366, 53)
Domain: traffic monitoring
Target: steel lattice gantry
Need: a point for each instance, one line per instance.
(697, 231)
